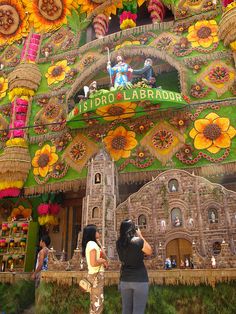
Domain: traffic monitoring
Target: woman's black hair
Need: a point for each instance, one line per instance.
(127, 232)
(46, 239)
(89, 234)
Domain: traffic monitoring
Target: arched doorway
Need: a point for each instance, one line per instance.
(179, 249)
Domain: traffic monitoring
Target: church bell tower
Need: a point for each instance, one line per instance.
(101, 198)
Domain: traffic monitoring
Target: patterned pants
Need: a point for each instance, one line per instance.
(96, 295)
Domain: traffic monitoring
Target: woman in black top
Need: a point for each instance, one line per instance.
(131, 247)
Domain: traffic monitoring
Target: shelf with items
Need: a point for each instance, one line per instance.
(18, 245)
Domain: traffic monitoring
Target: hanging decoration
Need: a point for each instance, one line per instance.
(100, 24)
(48, 213)
(157, 10)
(128, 14)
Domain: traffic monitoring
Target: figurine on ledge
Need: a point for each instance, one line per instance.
(146, 72)
(120, 72)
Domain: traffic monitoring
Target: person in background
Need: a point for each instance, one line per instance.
(131, 247)
(173, 263)
(96, 261)
(42, 259)
(167, 263)
(182, 265)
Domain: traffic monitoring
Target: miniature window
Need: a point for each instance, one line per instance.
(212, 216)
(142, 222)
(95, 212)
(173, 185)
(176, 217)
(216, 247)
(97, 178)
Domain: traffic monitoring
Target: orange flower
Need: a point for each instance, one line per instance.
(212, 133)
(43, 160)
(117, 111)
(57, 73)
(203, 33)
(48, 15)
(89, 6)
(120, 142)
(14, 21)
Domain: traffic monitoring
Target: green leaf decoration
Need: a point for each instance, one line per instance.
(78, 21)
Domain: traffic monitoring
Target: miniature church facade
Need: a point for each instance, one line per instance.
(183, 216)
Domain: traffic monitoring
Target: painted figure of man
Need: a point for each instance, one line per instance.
(147, 72)
(120, 72)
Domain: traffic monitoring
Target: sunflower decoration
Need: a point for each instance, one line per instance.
(43, 160)
(57, 73)
(120, 142)
(13, 21)
(117, 111)
(88, 6)
(212, 133)
(3, 87)
(203, 34)
(49, 15)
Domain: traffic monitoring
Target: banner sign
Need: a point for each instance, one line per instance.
(104, 98)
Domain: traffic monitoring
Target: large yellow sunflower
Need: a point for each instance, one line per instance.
(49, 15)
(117, 111)
(3, 87)
(203, 33)
(212, 133)
(120, 142)
(88, 6)
(43, 160)
(13, 21)
(57, 73)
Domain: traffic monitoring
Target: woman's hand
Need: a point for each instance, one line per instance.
(139, 233)
(102, 261)
(33, 276)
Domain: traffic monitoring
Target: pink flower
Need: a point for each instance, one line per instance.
(54, 209)
(43, 209)
(125, 15)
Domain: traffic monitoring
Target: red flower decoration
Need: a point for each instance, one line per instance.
(54, 209)
(76, 111)
(43, 209)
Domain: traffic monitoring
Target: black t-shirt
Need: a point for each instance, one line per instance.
(132, 268)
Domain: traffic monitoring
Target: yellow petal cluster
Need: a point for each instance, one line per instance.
(212, 133)
(203, 33)
(43, 160)
(120, 142)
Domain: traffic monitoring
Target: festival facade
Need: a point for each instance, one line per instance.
(116, 109)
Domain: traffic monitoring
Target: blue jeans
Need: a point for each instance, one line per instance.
(134, 297)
